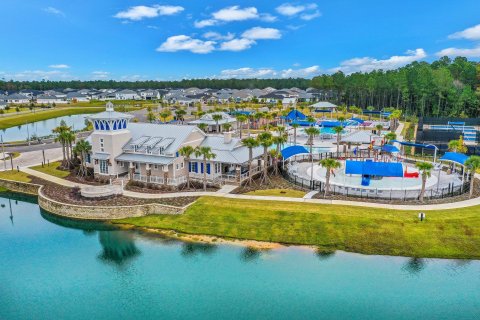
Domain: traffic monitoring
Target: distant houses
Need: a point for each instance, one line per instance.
(185, 96)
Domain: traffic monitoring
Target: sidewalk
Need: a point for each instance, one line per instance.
(224, 192)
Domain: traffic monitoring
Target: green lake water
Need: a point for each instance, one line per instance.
(53, 268)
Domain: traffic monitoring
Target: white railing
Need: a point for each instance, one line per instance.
(159, 180)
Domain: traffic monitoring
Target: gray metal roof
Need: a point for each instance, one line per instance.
(233, 152)
(208, 119)
(324, 104)
(144, 158)
(359, 137)
(101, 156)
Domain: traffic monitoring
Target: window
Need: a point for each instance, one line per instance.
(104, 166)
(182, 165)
(155, 167)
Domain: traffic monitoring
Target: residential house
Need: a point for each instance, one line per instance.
(17, 99)
(127, 94)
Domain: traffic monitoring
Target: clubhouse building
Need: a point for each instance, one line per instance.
(149, 152)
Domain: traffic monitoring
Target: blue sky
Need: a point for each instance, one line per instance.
(143, 39)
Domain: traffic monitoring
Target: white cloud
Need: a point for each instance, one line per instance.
(245, 73)
(205, 23)
(186, 43)
(100, 75)
(235, 13)
(218, 36)
(310, 16)
(472, 33)
(367, 64)
(137, 13)
(59, 66)
(301, 73)
(258, 33)
(237, 45)
(463, 52)
(291, 10)
(54, 11)
(32, 75)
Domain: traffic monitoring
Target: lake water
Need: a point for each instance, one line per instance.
(53, 268)
(42, 128)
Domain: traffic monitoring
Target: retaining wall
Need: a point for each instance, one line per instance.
(104, 212)
(22, 187)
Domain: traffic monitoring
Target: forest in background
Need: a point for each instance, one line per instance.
(442, 88)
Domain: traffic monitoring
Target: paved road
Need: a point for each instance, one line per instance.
(33, 147)
(32, 158)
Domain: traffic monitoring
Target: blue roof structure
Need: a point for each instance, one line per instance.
(390, 148)
(295, 115)
(455, 157)
(358, 120)
(382, 169)
(330, 124)
(303, 123)
(292, 151)
(413, 144)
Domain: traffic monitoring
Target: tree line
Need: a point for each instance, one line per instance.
(151, 84)
(442, 88)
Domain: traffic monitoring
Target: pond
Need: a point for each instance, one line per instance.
(42, 128)
(52, 268)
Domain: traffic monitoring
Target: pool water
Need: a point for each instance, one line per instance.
(53, 268)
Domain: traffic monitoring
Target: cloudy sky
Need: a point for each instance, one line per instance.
(144, 39)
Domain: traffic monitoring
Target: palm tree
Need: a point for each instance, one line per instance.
(186, 152)
(338, 130)
(329, 164)
(217, 117)
(82, 148)
(206, 154)
(275, 156)
(394, 116)
(457, 146)
(151, 116)
(281, 139)
(295, 126)
(250, 143)
(62, 136)
(180, 114)
(426, 169)
(241, 118)
(379, 129)
(390, 136)
(227, 127)
(312, 132)
(202, 126)
(473, 164)
(265, 140)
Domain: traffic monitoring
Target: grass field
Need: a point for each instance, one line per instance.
(52, 170)
(20, 119)
(15, 175)
(444, 234)
(278, 193)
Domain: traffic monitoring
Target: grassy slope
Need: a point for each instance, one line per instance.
(16, 120)
(52, 170)
(15, 175)
(449, 234)
(278, 193)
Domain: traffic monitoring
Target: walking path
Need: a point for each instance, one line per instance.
(225, 193)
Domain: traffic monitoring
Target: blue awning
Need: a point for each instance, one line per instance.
(413, 144)
(358, 120)
(382, 169)
(390, 148)
(295, 115)
(292, 151)
(371, 112)
(455, 157)
(303, 123)
(330, 124)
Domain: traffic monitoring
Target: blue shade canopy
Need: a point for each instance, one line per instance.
(330, 124)
(413, 144)
(293, 151)
(390, 148)
(455, 157)
(357, 120)
(303, 123)
(383, 169)
(295, 115)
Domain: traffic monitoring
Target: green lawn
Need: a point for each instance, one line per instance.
(20, 119)
(445, 234)
(52, 170)
(278, 193)
(15, 175)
